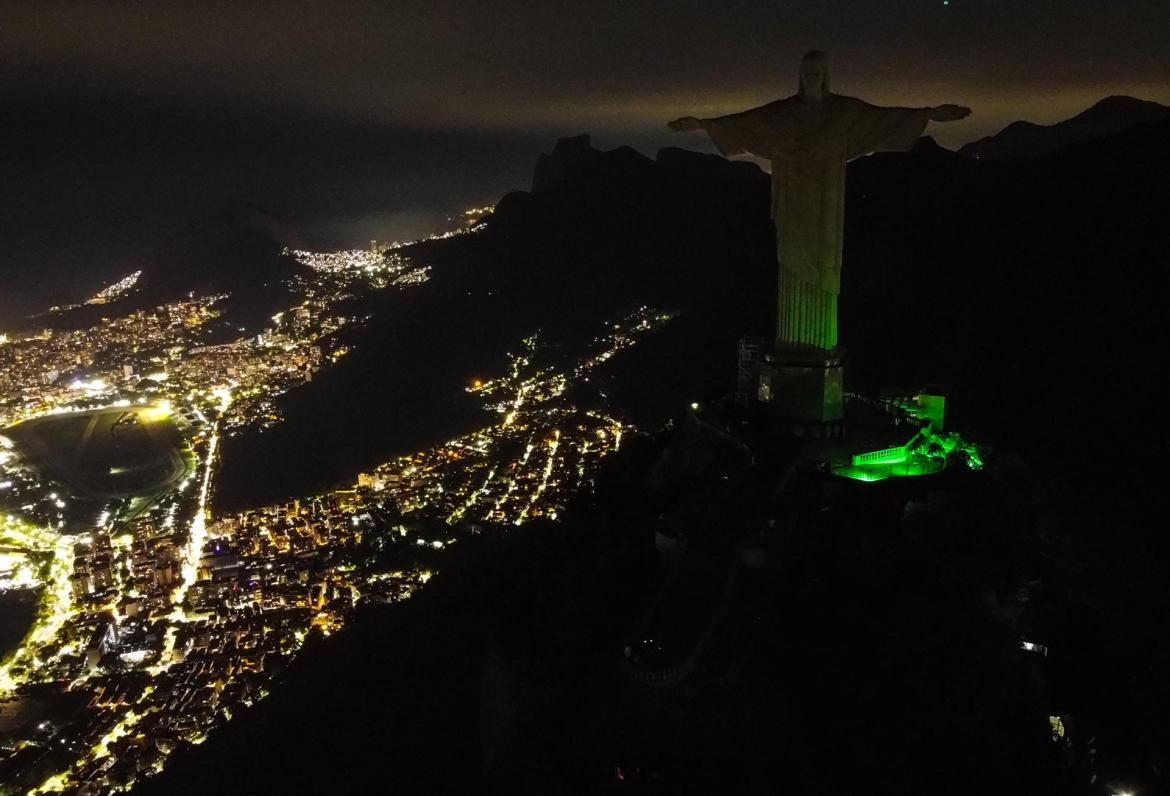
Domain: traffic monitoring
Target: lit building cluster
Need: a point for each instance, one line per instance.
(415, 276)
(159, 620)
(380, 264)
(116, 290)
(377, 264)
(72, 369)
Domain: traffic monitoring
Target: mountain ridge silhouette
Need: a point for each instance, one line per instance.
(1109, 116)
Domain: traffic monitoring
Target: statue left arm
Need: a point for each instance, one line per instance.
(877, 129)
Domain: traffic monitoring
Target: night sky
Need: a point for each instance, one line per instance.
(359, 120)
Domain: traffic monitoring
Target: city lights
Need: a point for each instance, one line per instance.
(168, 617)
(116, 290)
(124, 587)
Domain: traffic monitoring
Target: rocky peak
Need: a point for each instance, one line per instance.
(569, 159)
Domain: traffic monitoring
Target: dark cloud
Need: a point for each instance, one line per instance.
(122, 121)
(614, 64)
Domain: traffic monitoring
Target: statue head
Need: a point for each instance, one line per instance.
(814, 75)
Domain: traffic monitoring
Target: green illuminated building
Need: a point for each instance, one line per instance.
(929, 449)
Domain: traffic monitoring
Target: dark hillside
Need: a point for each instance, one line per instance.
(1030, 288)
(236, 250)
(867, 655)
(688, 232)
(1001, 280)
(878, 651)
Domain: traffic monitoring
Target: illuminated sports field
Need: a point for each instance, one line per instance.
(106, 453)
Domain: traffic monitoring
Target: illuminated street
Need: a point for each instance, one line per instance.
(164, 619)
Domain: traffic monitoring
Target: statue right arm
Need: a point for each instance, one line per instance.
(749, 132)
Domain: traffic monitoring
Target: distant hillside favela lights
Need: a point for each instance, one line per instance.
(116, 290)
(415, 276)
(369, 260)
(553, 444)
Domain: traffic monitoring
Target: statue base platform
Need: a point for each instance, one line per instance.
(801, 388)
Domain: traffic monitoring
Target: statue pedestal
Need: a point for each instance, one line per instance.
(803, 388)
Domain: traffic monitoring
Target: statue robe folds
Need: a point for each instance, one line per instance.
(809, 144)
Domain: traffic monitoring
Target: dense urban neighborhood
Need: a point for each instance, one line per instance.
(155, 617)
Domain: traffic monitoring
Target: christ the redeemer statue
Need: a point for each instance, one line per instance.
(809, 138)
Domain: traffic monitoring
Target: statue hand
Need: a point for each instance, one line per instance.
(949, 113)
(685, 124)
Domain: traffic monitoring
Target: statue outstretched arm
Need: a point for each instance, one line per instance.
(876, 129)
(748, 132)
